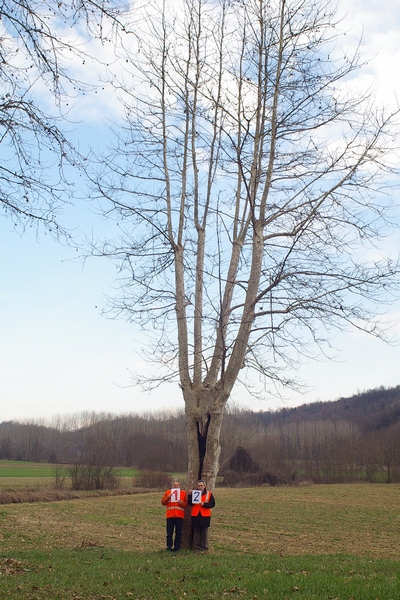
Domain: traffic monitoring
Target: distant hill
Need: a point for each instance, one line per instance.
(318, 444)
(371, 410)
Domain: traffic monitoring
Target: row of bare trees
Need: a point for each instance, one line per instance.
(146, 443)
(321, 451)
(329, 452)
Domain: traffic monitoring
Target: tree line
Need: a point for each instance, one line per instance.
(330, 449)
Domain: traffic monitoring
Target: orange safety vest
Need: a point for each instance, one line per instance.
(197, 508)
(173, 508)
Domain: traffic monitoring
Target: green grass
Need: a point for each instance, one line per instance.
(99, 573)
(15, 468)
(328, 542)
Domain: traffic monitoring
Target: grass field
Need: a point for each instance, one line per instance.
(20, 469)
(321, 542)
(15, 468)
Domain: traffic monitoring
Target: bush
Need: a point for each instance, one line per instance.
(60, 473)
(92, 477)
(231, 478)
(152, 479)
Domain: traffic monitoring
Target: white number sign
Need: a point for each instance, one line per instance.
(175, 495)
(196, 496)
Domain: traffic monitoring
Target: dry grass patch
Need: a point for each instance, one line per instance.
(326, 519)
(29, 483)
(16, 490)
(353, 519)
(20, 496)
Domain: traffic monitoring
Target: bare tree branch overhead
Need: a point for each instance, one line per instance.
(35, 49)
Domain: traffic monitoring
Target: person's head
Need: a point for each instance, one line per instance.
(201, 484)
(176, 483)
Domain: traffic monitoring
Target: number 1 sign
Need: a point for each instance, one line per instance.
(175, 495)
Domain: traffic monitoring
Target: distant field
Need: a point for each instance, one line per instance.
(19, 476)
(15, 468)
(327, 542)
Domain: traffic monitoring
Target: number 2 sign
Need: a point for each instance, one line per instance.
(196, 496)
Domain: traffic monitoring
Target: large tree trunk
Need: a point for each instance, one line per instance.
(204, 445)
(204, 410)
(204, 413)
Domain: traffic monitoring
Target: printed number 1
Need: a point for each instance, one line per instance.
(176, 495)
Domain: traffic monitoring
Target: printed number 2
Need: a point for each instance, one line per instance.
(196, 497)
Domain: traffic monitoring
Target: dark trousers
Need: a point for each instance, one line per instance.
(200, 539)
(174, 524)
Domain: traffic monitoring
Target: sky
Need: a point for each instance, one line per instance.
(59, 355)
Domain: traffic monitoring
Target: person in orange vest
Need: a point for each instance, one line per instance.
(201, 515)
(175, 501)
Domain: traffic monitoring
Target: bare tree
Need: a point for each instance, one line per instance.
(245, 184)
(36, 45)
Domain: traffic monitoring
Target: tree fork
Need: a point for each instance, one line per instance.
(202, 433)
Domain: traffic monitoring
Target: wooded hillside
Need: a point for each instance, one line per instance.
(369, 410)
(349, 439)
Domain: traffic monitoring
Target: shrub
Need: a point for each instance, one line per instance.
(231, 478)
(152, 479)
(60, 473)
(93, 477)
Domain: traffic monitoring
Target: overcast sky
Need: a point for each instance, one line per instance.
(58, 355)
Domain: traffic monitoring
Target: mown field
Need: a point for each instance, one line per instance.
(338, 542)
(20, 470)
(30, 482)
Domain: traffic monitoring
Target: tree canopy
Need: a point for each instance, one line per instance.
(245, 181)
